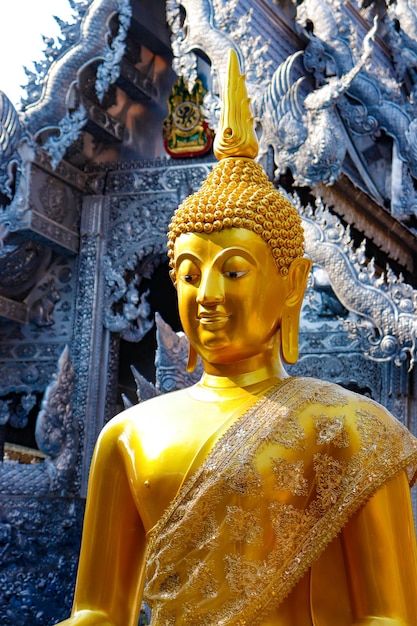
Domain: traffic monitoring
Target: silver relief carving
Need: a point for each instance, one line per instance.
(62, 75)
(344, 105)
(375, 103)
(212, 27)
(383, 309)
(170, 361)
(57, 437)
(401, 24)
(200, 32)
(10, 133)
(305, 131)
(109, 70)
(140, 209)
(56, 430)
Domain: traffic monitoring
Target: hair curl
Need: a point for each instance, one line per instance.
(238, 194)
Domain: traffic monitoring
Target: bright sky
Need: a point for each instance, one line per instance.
(23, 24)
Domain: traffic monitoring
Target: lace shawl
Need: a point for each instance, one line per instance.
(271, 494)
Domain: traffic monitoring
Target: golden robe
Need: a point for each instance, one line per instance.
(264, 500)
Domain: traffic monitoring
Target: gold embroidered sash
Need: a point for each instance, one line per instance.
(276, 488)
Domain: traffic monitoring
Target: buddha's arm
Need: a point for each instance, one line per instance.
(109, 580)
(381, 555)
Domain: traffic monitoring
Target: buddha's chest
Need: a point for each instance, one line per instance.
(164, 452)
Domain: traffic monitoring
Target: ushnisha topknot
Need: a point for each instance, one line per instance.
(237, 192)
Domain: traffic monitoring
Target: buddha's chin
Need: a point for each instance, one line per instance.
(223, 354)
(212, 343)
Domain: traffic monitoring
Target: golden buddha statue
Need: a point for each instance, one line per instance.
(251, 497)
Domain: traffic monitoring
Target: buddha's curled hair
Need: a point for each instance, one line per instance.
(238, 194)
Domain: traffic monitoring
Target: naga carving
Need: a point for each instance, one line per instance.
(92, 43)
(401, 23)
(383, 309)
(375, 103)
(307, 135)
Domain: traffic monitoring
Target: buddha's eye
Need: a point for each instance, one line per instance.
(189, 278)
(234, 274)
(235, 267)
(188, 272)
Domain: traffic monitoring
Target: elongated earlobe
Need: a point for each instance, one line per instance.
(290, 321)
(289, 338)
(192, 359)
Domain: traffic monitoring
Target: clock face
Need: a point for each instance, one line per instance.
(186, 116)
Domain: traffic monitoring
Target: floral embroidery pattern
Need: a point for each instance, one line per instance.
(331, 430)
(330, 475)
(285, 518)
(244, 525)
(203, 579)
(200, 530)
(313, 471)
(285, 431)
(372, 431)
(242, 478)
(289, 476)
(244, 576)
(170, 584)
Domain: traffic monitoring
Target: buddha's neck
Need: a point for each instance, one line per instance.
(236, 384)
(245, 373)
(240, 380)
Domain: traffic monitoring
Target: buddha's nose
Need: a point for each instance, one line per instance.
(211, 289)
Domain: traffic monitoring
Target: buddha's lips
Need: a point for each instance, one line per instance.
(211, 319)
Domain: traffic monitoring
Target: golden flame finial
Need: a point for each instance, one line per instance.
(236, 136)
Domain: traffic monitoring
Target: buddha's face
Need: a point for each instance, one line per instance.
(230, 294)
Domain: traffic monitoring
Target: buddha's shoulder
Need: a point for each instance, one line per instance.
(330, 398)
(162, 409)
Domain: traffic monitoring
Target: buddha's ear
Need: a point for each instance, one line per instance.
(290, 321)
